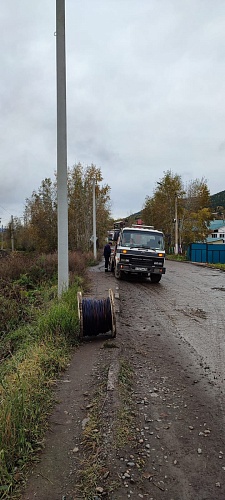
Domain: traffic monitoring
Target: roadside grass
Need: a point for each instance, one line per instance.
(178, 258)
(31, 358)
(221, 267)
(183, 258)
(26, 381)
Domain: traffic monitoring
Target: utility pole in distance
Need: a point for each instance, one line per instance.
(62, 197)
(176, 227)
(94, 221)
(2, 245)
(12, 234)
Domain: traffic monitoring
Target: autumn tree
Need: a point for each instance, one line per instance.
(16, 233)
(159, 210)
(40, 228)
(80, 196)
(197, 195)
(193, 210)
(195, 227)
(196, 213)
(41, 218)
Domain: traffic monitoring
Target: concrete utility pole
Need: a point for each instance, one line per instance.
(94, 221)
(176, 228)
(62, 197)
(12, 233)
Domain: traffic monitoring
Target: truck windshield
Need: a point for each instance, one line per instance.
(143, 239)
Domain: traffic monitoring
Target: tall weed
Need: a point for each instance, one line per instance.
(27, 281)
(26, 380)
(36, 337)
(61, 319)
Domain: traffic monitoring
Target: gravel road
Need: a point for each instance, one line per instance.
(171, 335)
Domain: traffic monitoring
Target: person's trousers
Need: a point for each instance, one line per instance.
(106, 263)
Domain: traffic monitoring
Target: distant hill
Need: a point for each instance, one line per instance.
(137, 215)
(218, 200)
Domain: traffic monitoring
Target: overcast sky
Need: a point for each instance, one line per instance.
(145, 94)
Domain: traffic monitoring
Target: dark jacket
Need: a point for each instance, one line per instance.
(107, 250)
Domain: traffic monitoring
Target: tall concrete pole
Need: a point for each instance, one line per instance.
(62, 197)
(12, 234)
(94, 221)
(176, 228)
(1, 234)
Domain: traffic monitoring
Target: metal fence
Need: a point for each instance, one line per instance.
(206, 252)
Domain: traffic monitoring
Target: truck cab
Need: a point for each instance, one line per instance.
(139, 250)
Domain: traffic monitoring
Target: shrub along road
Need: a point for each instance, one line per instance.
(142, 415)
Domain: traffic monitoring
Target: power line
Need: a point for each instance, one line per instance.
(5, 210)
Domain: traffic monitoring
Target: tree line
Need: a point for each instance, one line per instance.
(38, 229)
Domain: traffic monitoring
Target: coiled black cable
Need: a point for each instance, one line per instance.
(97, 316)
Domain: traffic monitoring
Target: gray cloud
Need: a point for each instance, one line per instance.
(145, 93)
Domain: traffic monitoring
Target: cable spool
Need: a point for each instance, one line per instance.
(96, 316)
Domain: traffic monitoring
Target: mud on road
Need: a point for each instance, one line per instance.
(142, 415)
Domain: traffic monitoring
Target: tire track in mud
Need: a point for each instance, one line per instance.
(195, 405)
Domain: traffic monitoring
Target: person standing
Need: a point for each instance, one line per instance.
(107, 253)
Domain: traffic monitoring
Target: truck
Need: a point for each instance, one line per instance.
(139, 250)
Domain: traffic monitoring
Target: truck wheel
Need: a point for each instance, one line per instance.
(118, 274)
(155, 278)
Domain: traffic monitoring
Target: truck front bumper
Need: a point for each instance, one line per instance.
(129, 268)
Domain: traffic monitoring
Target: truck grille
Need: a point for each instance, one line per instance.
(141, 260)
